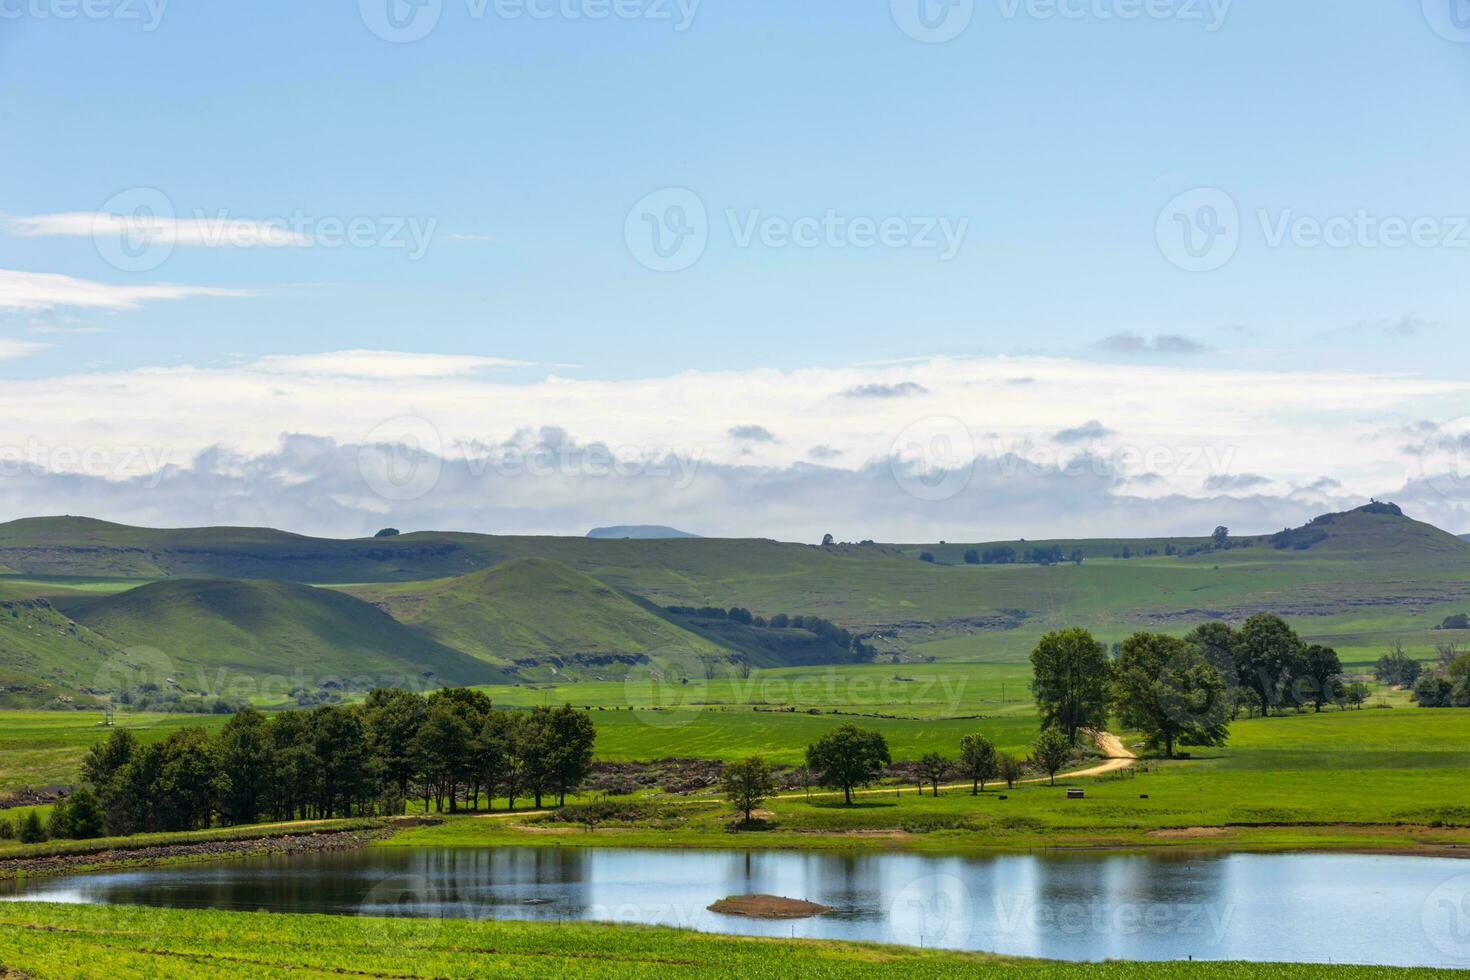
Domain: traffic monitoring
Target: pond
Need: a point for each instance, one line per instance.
(1392, 910)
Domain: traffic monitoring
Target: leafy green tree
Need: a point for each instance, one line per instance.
(1267, 652)
(847, 757)
(392, 718)
(297, 770)
(1216, 641)
(76, 817)
(103, 769)
(1322, 679)
(1165, 688)
(31, 830)
(245, 757)
(187, 782)
(341, 746)
(1009, 768)
(972, 557)
(534, 748)
(1051, 752)
(571, 736)
(1397, 668)
(979, 761)
(747, 784)
(1070, 681)
(439, 750)
(933, 767)
(491, 750)
(1354, 693)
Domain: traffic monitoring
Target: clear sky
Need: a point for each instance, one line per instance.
(667, 224)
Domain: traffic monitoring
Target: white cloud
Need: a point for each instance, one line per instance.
(381, 364)
(215, 232)
(214, 439)
(37, 291)
(11, 349)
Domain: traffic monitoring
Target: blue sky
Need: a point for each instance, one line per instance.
(1048, 143)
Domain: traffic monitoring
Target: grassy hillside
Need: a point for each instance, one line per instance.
(46, 659)
(540, 619)
(224, 634)
(1365, 578)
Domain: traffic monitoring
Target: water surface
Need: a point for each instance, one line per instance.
(1286, 907)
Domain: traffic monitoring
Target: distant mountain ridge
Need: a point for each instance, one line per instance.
(640, 532)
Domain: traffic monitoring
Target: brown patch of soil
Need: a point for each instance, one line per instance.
(1189, 832)
(767, 907)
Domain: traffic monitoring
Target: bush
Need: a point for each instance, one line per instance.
(31, 831)
(7, 829)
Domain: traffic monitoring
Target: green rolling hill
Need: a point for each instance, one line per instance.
(541, 619)
(223, 632)
(468, 606)
(46, 658)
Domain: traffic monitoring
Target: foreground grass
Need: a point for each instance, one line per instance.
(94, 941)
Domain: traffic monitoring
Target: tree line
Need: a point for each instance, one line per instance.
(824, 628)
(452, 749)
(849, 758)
(1184, 690)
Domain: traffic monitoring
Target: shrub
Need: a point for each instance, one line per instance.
(31, 831)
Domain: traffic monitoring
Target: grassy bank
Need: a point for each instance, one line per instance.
(113, 941)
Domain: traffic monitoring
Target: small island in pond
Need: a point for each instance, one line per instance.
(767, 907)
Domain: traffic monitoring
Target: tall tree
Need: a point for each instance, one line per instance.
(978, 760)
(848, 757)
(1070, 681)
(570, 735)
(1165, 688)
(747, 784)
(1266, 653)
(439, 750)
(933, 767)
(393, 717)
(1051, 752)
(1322, 679)
(244, 749)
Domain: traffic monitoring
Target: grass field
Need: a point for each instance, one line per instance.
(1359, 780)
(113, 941)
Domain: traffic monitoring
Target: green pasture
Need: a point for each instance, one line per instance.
(45, 940)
